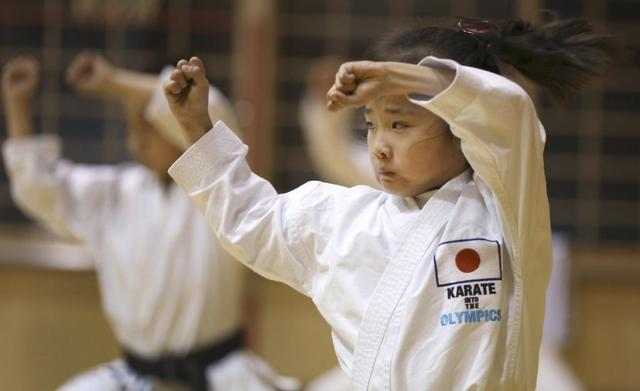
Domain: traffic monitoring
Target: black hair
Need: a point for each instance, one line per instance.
(559, 55)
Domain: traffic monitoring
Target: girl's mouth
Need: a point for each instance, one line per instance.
(385, 175)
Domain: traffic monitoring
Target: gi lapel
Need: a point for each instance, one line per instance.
(397, 276)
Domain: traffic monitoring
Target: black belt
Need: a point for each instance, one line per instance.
(188, 369)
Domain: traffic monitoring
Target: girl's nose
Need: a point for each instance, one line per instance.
(381, 149)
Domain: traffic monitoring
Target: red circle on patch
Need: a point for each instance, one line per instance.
(467, 260)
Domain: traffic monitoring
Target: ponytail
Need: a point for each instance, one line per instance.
(562, 56)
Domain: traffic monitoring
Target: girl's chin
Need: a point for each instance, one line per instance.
(398, 191)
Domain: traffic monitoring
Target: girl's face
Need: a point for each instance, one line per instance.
(411, 149)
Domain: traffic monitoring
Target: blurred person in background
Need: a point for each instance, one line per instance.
(172, 295)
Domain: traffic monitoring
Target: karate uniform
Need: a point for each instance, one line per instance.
(444, 291)
(167, 286)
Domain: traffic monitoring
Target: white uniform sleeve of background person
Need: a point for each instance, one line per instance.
(255, 224)
(336, 156)
(159, 114)
(63, 196)
(503, 141)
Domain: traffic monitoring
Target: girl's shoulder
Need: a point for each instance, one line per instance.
(322, 194)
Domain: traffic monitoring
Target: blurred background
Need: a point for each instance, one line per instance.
(258, 52)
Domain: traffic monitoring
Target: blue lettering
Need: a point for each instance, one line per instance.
(462, 317)
(471, 316)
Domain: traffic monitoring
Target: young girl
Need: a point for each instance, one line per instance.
(437, 282)
(171, 293)
(338, 157)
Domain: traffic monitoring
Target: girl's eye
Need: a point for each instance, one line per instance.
(369, 125)
(398, 125)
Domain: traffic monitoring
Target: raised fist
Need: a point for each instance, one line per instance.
(356, 83)
(89, 73)
(20, 78)
(187, 92)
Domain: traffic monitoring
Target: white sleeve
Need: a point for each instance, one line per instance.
(257, 226)
(65, 197)
(336, 155)
(502, 139)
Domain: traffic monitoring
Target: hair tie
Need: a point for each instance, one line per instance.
(485, 33)
(478, 28)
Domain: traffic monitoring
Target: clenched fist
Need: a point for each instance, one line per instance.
(90, 73)
(187, 92)
(20, 78)
(357, 83)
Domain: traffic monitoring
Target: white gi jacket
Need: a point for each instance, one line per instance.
(166, 284)
(449, 296)
(161, 272)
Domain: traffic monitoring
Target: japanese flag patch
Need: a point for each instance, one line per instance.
(467, 260)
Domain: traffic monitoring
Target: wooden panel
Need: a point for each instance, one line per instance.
(606, 346)
(292, 335)
(52, 327)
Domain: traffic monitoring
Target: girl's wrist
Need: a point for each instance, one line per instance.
(195, 130)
